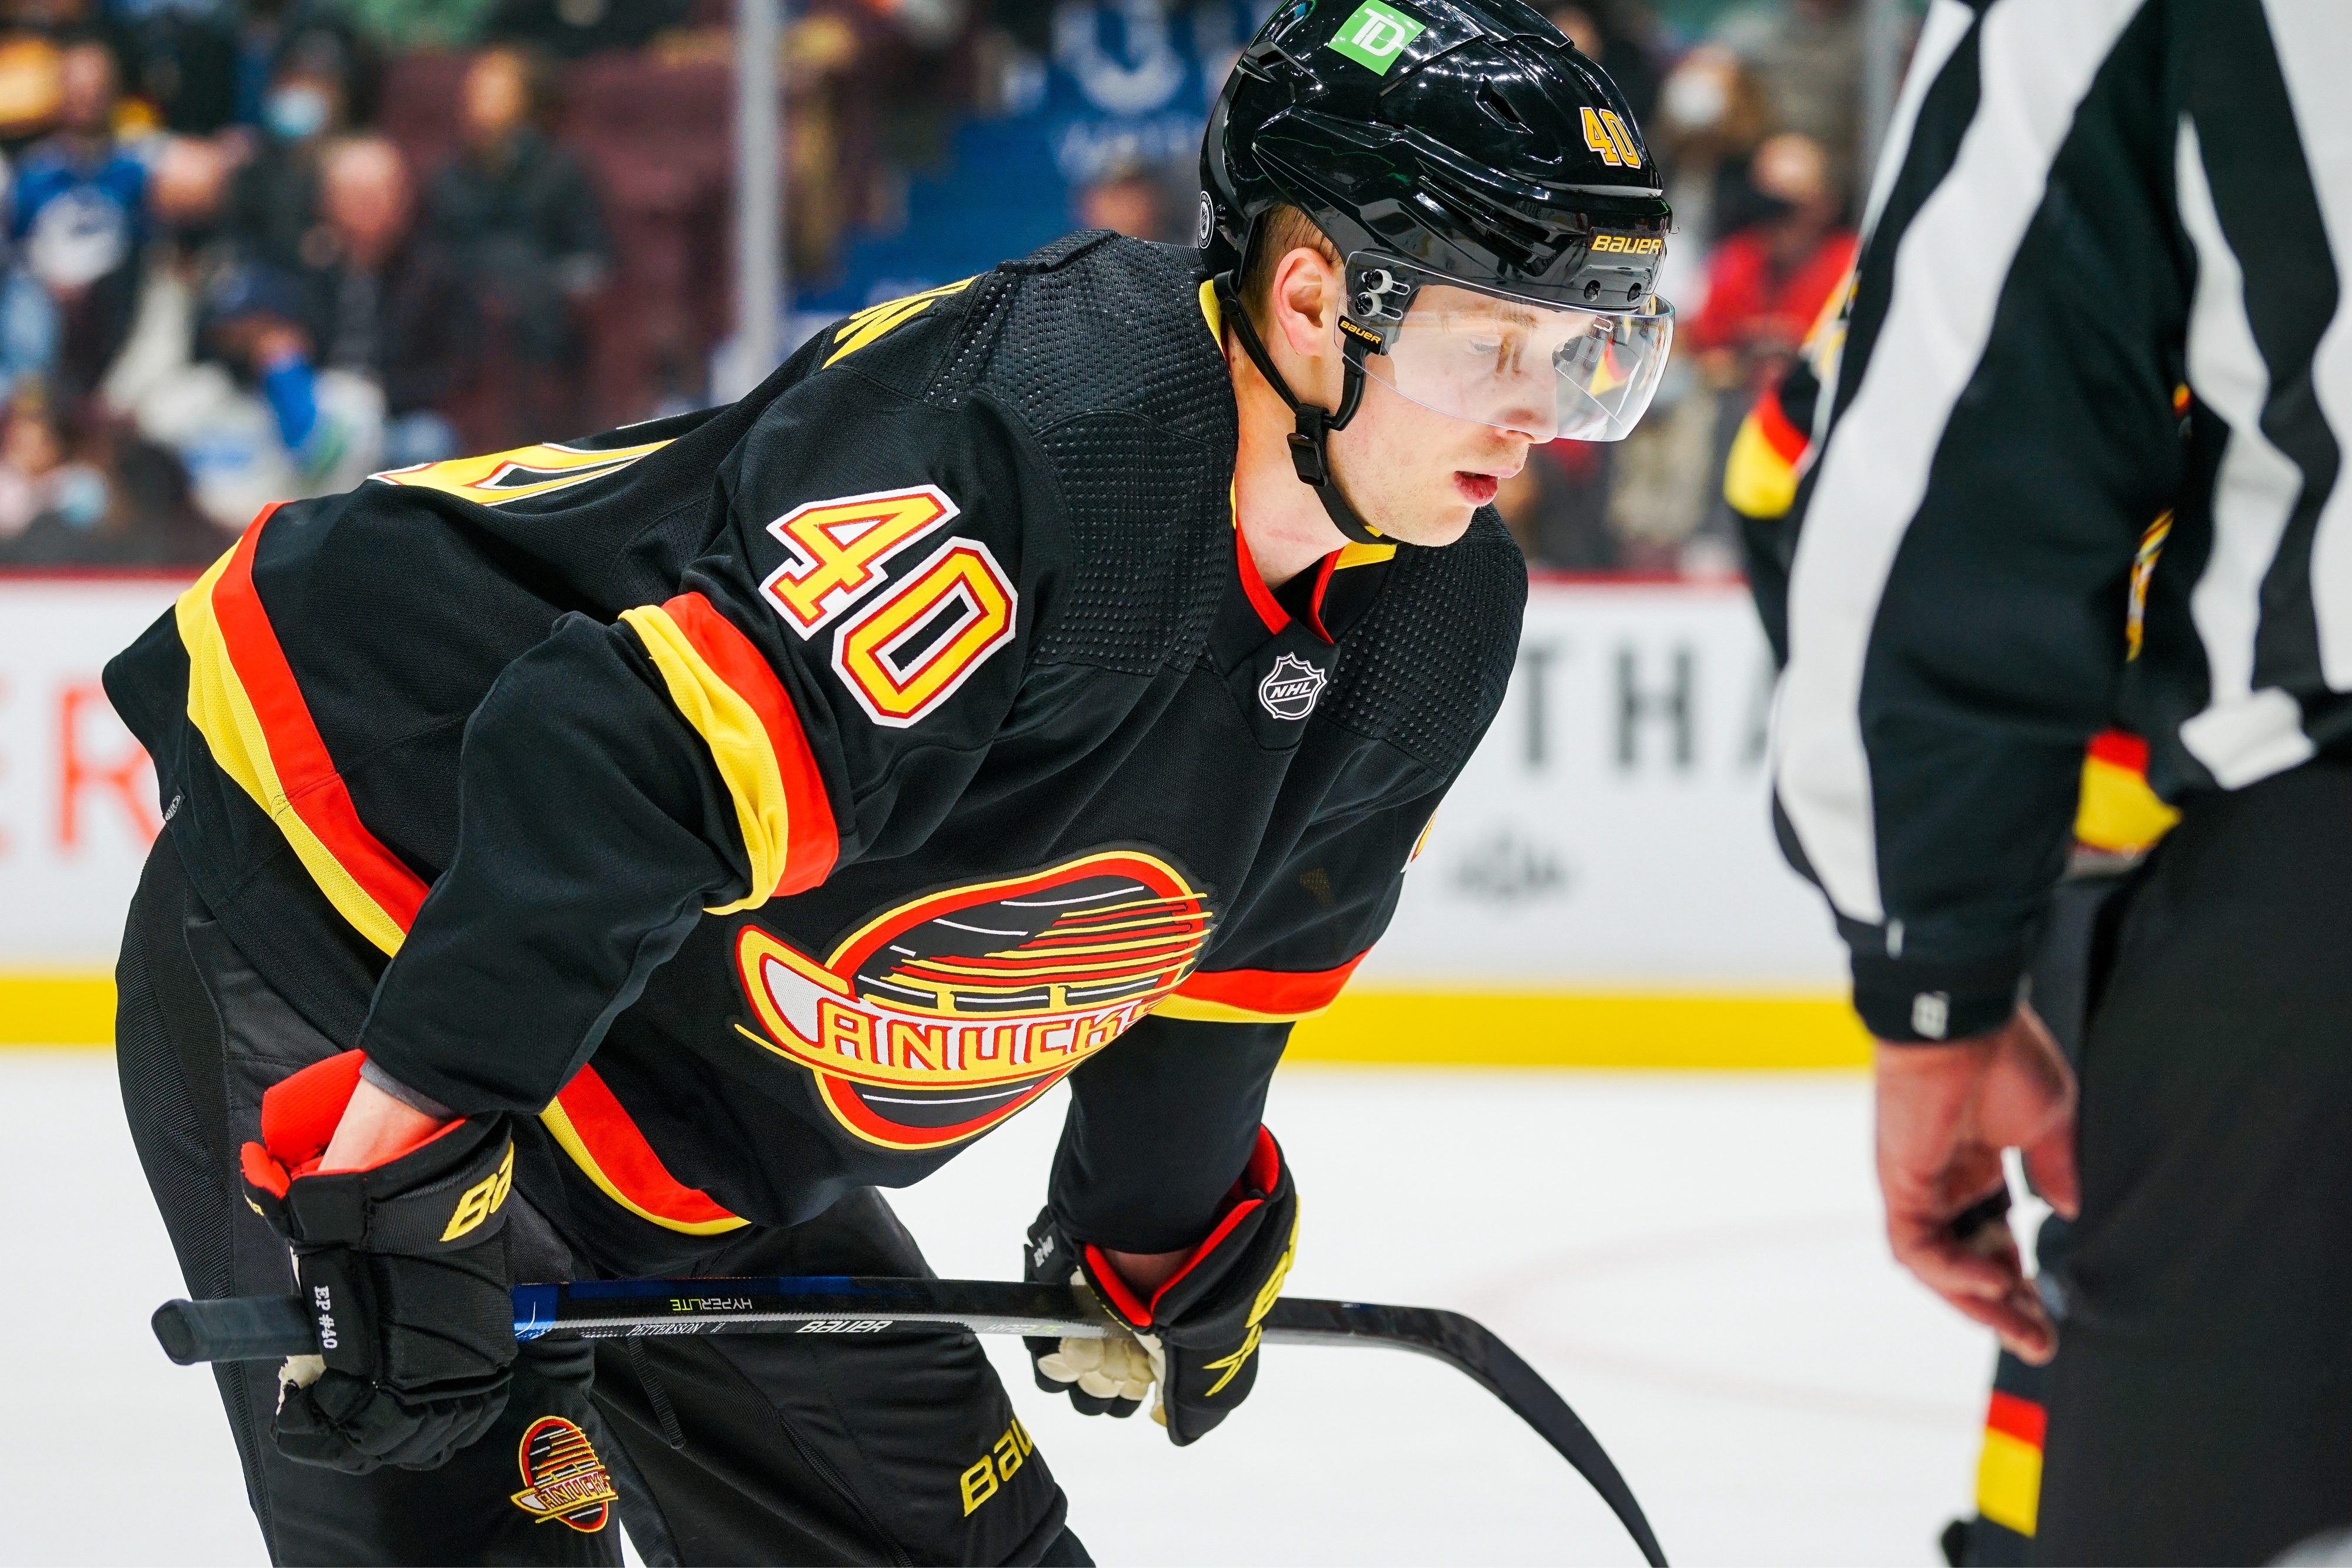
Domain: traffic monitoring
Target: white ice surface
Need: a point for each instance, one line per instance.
(1692, 1260)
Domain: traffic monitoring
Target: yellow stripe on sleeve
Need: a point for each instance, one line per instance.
(2117, 811)
(559, 1123)
(1758, 481)
(224, 716)
(2008, 1481)
(1194, 1010)
(739, 745)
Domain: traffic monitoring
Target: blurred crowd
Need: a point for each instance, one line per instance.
(1757, 128)
(257, 250)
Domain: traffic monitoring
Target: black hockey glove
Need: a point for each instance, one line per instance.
(404, 1268)
(1197, 1336)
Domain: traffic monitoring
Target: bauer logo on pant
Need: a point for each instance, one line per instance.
(939, 1018)
(562, 1479)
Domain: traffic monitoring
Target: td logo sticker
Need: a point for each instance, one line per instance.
(1375, 35)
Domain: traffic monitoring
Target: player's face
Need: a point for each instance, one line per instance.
(1417, 474)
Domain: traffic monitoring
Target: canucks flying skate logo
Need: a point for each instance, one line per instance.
(937, 1020)
(562, 1479)
(1290, 688)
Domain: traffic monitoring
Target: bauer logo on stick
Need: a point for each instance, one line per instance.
(1290, 688)
(562, 1479)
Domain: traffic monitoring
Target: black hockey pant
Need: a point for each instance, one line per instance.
(2201, 1406)
(749, 1448)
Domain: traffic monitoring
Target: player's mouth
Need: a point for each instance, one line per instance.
(1477, 489)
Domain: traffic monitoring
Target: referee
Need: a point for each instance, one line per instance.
(2085, 204)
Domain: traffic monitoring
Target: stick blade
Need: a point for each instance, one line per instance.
(1474, 1350)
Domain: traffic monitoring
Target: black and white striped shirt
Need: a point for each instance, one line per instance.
(2084, 206)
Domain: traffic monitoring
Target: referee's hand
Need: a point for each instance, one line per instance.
(1945, 1113)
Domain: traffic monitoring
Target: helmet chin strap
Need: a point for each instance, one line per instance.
(1309, 454)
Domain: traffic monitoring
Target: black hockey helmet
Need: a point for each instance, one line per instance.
(1461, 143)
(1469, 136)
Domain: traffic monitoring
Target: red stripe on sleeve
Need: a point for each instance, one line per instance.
(1271, 990)
(2126, 751)
(2020, 1418)
(815, 842)
(611, 1136)
(1784, 438)
(305, 771)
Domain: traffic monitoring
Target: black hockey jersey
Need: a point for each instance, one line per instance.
(771, 799)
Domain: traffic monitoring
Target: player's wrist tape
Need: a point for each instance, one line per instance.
(1201, 1327)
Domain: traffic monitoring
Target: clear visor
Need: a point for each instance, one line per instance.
(1553, 373)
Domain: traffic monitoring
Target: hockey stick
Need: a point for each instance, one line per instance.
(266, 1328)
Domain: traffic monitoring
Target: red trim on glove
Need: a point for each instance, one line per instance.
(1257, 1179)
(1234, 1217)
(299, 1114)
(1111, 1284)
(262, 1172)
(1264, 1167)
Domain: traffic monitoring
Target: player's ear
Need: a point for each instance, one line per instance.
(1306, 299)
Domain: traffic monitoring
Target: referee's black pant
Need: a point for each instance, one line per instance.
(751, 1448)
(2201, 1408)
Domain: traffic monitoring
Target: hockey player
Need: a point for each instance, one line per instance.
(622, 857)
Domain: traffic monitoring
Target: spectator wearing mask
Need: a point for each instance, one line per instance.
(79, 218)
(96, 496)
(273, 205)
(524, 229)
(389, 304)
(269, 32)
(1768, 281)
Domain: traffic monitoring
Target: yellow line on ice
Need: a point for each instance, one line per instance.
(1639, 1030)
(57, 1008)
(1636, 1030)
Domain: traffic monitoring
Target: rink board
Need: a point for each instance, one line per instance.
(1599, 889)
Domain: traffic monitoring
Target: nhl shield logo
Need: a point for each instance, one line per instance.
(1290, 688)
